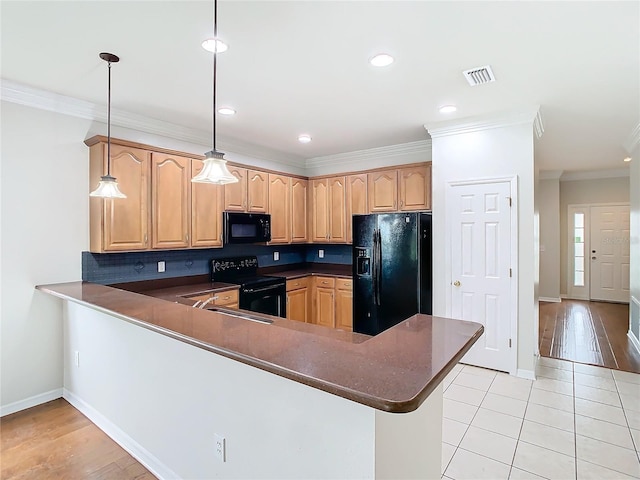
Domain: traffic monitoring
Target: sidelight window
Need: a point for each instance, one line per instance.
(578, 250)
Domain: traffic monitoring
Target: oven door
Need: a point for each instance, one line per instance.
(270, 300)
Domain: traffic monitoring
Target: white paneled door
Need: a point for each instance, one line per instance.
(609, 253)
(480, 219)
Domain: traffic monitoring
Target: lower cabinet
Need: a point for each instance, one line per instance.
(226, 299)
(344, 304)
(298, 299)
(332, 302)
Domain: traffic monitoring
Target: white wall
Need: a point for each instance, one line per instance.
(634, 182)
(165, 400)
(548, 196)
(574, 192)
(490, 153)
(44, 229)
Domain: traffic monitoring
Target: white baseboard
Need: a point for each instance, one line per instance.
(528, 374)
(550, 299)
(30, 402)
(136, 450)
(634, 340)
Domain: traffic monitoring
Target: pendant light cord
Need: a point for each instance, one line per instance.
(109, 124)
(215, 58)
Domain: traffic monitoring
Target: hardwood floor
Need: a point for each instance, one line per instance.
(588, 332)
(55, 441)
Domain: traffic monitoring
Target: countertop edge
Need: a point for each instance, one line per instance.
(386, 405)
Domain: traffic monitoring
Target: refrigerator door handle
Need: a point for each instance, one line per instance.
(378, 265)
(374, 268)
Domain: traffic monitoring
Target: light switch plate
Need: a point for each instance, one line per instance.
(161, 267)
(276, 256)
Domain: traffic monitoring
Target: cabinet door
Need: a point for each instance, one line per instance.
(356, 200)
(206, 211)
(121, 224)
(382, 191)
(414, 186)
(258, 191)
(280, 208)
(337, 210)
(320, 213)
(298, 304)
(170, 198)
(235, 194)
(344, 306)
(324, 308)
(299, 224)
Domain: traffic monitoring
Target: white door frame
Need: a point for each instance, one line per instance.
(513, 294)
(582, 293)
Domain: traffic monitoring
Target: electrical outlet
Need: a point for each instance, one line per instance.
(161, 267)
(221, 448)
(276, 256)
(320, 253)
(76, 358)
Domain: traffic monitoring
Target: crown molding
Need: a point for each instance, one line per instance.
(595, 174)
(633, 140)
(420, 147)
(529, 115)
(550, 174)
(53, 102)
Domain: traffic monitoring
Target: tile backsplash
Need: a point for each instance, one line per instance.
(108, 268)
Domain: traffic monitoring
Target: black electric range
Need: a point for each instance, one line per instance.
(257, 293)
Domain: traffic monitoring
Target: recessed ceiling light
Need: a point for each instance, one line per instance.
(226, 111)
(381, 60)
(304, 138)
(448, 109)
(627, 159)
(210, 44)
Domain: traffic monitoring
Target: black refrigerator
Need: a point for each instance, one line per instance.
(392, 263)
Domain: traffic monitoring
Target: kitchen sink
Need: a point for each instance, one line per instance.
(240, 314)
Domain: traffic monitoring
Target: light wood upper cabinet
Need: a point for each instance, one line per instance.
(257, 191)
(344, 304)
(120, 224)
(299, 210)
(235, 194)
(206, 211)
(415, 188)
(249, 194)
(356, 200)
(383, 191)
(280, 208)
(320, 210)
(170, 201)
(328, 223)
(337, 210)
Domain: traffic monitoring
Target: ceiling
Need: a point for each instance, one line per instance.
(302, 67)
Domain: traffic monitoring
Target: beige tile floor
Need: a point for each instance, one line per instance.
(574, 422)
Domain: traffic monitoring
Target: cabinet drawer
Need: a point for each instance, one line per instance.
(344, 284)
(226, 298)
(297, 283)
(326, 282)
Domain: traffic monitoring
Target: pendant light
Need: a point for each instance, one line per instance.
(108, 187)
(215, 166)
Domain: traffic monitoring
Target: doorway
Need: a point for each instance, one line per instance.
(481, 217)
(599, 252)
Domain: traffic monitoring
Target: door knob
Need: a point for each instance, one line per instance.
(593, 258)
(456, 283)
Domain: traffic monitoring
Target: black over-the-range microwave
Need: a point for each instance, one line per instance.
(246, 227)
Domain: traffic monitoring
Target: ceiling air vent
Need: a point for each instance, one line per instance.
(479, 75)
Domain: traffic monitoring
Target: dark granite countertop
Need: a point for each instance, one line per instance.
(393, 371)
(302, 270)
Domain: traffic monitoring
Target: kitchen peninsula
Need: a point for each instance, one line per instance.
(167, 381)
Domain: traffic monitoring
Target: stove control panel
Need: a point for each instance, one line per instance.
(227, 267)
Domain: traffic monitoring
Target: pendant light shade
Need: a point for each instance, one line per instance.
(215, 166)
(108, 186)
